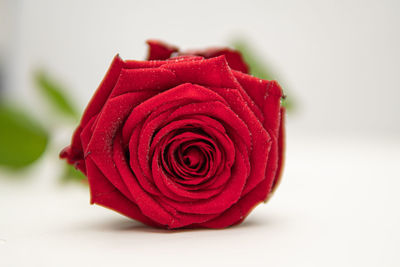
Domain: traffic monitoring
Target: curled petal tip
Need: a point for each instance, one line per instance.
(64, 153)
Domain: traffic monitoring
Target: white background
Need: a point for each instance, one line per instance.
(341, 59)
(338, 204)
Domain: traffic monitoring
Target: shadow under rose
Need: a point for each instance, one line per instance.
(124, 224)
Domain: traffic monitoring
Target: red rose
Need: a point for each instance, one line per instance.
(181, 140)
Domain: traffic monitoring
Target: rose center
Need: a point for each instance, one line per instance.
(192, 157)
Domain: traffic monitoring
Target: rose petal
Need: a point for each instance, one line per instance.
(140, 64)
(261, 141)
(151, 206)
(233, 57)
(180, 94)
(104, 90)
(213, 72)
(217, 110)
(170, 189)
(109, 122)
(149, 140)
(267, 95)
(235, 127)
(184, 219)
(105, 194)
(86, 135)
(146, 203)
(281, 152)
(240, 172)
(74, 152)
(183, 139)
(159, 50)
(272, 107)
(216, 131)
(207, 72)
(240, 210)
(258, 89)
(226, 198)
(150, 79)
(144, 177)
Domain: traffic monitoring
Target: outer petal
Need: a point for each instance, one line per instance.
(258, 89)
(261, 141)
(272, 109)
(149, 79)
(159, 50)
(233, 57)
(240, 210)
(101, 143)
(74, 152)
(136, 76)
(142, 64)
(103, 92)
(281, 152)
(146, 203)
(213, 72)
(267, 95)
(105, 194)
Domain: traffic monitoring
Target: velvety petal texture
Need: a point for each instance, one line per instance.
(184, 139)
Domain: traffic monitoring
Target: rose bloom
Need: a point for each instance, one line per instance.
(185, 139)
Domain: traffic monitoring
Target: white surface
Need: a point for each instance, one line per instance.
(338, 205)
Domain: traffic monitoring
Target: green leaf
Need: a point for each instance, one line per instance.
(22, 140)
(72, 174)
(54, 93)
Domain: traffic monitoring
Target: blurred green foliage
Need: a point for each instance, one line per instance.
(72, 174)
(22, 139)
(55, 95)
(260, 69)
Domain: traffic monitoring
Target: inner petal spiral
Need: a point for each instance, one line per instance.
(192, 157)
(188, 156)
